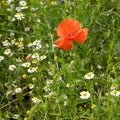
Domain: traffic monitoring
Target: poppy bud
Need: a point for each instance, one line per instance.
(28, 57)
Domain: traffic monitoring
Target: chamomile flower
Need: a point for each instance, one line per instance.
(46, 88)
(49, 82)
(12, 34)
(31, 86)
(89, 75)
(18, 90)
(13, 41)
(36, 100)
(26, 64)
(30, 44)
(22, 3)
(43, 57)
(31, 70)
(35, 55)
(12, 67)
(27, 29)
(20, 39)
(84, 95)
(1, 58)
(115, 93)
(6, 43)
(38, 47)
(19, 16)
(36, 42)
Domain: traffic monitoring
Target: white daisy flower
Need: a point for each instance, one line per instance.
(36, 100)
(27, 29)
(18, 90)
(35, 55)
(89, 75)
(38, 47)
(22, 3)
(13, 41)
(18, 9)
(115, 93)
(43, 57)
(1, 58)
(84, 95)
(46, 88)
(7, 51)
(31, 70)
(11, 67)
(6, 43)
(20, 39)
(26, 64)
(30, 44)
(31, 86)
(36, 42)
(19, 16)
(49, 82)
(12, 34)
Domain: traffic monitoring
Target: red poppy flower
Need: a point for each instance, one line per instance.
(69, 30)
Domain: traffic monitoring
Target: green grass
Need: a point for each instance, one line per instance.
(60, 100)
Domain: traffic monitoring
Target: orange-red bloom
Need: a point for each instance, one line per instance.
(28, 57)
(69, 30)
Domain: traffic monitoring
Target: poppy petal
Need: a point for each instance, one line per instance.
(67, 27)
(81, 35)
(63, 43)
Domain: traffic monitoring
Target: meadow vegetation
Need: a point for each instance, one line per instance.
(82, 83)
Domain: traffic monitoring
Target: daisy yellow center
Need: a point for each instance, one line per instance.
(84, 94)
(89, 75)
(115, 92)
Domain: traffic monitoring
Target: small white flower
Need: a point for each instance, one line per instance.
(99, 67)
(89, 75)
(67, 85)
(22, 3)
(36, 100)
(12, 34)
(84, 95)
(18, 9)
(35, 55)
(18, 90)
(65, 103)
(30, 44)
(38, 47)
(49, 82)
(115, 93)
(1, 58)
(36, 42)
(20, 39)
(11, 67)
(31, 70)
(16, 116)
(26, 64)
(6, 43)
(13, 41)
(46, 88)
(19, 16)
(31, 86)
(27, 29)
(43, 57)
